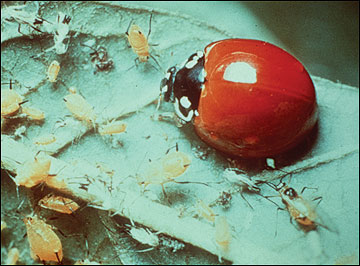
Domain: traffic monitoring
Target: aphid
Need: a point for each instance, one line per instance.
(53, 71)
(58, 204)
(235, 177)
(33, 171)
(139, 43)
(45, 139)
(44, 243)
(299, 209)
(17, 14)
(166, 169)
(33, 113)
(10, 102)
(222, 235)
(61, 31)
(114, 127)
(205, 211)
(12, 257)
(100, 58)
(80, 108)
(143, 235)
(246, 98)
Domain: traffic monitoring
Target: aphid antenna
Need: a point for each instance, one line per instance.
(85, 45)
(189, 182)
(147, 37)
(127, 31)
(175, 146)
(13, 179)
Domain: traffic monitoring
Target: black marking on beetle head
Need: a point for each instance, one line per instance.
(185, 82)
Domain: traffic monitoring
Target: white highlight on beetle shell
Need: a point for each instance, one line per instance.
(202, 75)
(240, 72)
(184, 101)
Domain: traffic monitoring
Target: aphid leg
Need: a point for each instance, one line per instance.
(163, 189)
(241, 194)
(308, 188)
(277, 214)
(160, 68)
(57, 256)
(319, 200)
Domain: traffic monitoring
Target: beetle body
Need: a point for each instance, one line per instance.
(247, 98)
(44, 243)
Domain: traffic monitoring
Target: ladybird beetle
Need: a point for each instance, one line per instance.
(247, 98)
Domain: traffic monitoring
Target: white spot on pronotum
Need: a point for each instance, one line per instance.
(164, 89)
(191, 64)
(240, 72)
(167, 75)
(200, 54)
(180, 114)
(184, 101)
(196, 113)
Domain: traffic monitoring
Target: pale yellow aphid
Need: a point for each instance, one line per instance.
(205, 211)
(10, 102)
(45, 139)
(33, 113)
(166, 169)
(59, 204)
(222, 234)
(80, 108)
(3, 225)
(138, 42)
(12, 257)
(34, 171)
(45, 245)
(53, 71)
(115, 127)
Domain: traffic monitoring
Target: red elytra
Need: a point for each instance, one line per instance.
(260, 118)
